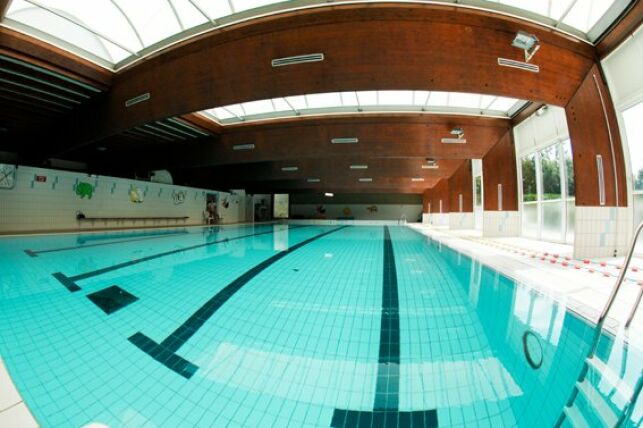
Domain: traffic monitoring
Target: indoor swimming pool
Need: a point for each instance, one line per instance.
(280, 325)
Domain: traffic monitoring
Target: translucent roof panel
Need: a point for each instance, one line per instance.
(366, 101)
(115, 33)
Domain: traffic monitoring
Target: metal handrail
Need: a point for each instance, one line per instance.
(603, 316)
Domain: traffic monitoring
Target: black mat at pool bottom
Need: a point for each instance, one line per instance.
(111, 299)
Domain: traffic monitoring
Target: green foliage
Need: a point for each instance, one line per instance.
(638, 181)
(529, 179)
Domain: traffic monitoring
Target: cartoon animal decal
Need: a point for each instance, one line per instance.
(84, 189)
(320, 209)
(135, 194)
(179, 196)
(347, 211)
(372, 209)
(225, 203)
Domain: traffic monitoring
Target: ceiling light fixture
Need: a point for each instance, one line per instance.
(329, 195)
(416, 179)
(239, 147)
(541, 111)
(530, 45)
(359, 167)
(313, 180)
(290, 168)
(430, 164)
(365, 180)
(345, 140)
(459, 139)
(527, 42)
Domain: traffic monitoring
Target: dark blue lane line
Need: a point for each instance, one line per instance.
(70, 281)
(387, 389)
(165, 352)
(34, 253)
(386, 412)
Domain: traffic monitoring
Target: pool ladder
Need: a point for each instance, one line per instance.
(626, 394)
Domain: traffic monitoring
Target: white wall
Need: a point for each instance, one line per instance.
(53, 204)
(359, 211)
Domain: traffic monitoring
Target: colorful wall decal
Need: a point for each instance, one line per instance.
(372, 208)
(321, 209)
(178, 196)
(84, 189)
(225, 203)
(7, 176)
(136, 195)
(347, 211)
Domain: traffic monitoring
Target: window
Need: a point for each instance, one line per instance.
(365, 101)
(548, 193)
(529, 191)
(550, 170)
(634, 134)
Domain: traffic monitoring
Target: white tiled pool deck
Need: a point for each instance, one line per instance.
(550, 268)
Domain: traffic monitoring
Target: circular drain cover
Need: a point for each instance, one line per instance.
(533, 349)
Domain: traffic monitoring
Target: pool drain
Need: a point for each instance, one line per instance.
(533, 349)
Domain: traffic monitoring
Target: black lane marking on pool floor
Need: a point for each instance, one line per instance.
(384, 419)
(34, 253)
(165, 352)
(70, 281)
(386, 412)
(112, 299)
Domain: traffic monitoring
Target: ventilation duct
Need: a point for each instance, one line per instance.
(298, 59)
(521, 65)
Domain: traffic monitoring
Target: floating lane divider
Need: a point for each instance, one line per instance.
(70, 281)
(34, 253)
(387, 388)
(165, 352)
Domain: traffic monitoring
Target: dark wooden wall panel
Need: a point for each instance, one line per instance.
(499, 167)
(590, 136)
(426, 198)
(461, 182)
(440, 192)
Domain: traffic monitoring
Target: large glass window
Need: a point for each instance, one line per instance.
(632, 119)
(548, 193)
(550, 170)
(529, 190)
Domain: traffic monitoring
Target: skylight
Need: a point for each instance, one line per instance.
(366, 101)
(115, 33)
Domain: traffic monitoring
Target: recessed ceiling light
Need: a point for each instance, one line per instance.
(359, 166)
(313, 180)
(454, 140)
(243, 147)
(101, 148)
(345, 140)
(290, 168)
(417, 179)
(329, 195)
(425, 166)
(365, 180)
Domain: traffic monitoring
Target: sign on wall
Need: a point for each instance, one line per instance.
(7, 176)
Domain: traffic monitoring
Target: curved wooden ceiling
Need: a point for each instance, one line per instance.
(366, 47)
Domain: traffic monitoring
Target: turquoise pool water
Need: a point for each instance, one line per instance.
(284, 326)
